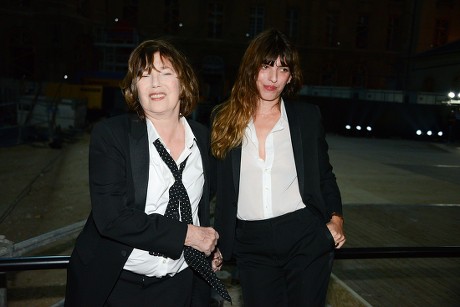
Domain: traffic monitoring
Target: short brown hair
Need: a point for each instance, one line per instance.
(141, 59)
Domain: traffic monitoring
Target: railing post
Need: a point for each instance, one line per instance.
(6, 249)
(3, 287)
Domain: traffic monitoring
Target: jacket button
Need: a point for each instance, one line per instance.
(123, 253)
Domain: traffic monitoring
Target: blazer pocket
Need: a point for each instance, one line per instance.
(85, 247)
(329, 236)
(85, 255)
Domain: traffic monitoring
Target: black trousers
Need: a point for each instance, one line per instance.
(284, 261)
(183, 289)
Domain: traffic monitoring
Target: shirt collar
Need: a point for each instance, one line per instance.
(190, 139)
(189, 136)
(283, 111)
(282, 122)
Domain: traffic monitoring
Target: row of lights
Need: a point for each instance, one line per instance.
(454, 99)
(359, 128)
(452, 95)
(429, 133)
(419, 132)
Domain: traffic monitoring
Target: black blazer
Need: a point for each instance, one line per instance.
(118, 178)
(317, 182)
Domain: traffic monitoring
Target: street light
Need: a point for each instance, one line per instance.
(453, 98)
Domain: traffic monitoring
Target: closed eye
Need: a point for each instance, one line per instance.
(167, 72)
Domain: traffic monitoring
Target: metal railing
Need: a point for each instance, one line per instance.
(8, 264)
(12, 259)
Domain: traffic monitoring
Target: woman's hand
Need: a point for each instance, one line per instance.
(335, 226)
(203, 239)
(217, 260)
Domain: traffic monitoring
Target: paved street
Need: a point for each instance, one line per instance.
(395, 193)
(400, 193)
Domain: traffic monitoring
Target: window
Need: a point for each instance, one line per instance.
(362, 32)
(441, 32)
(449, 4)
(359, 76)
(256, 20)
(215, 17)
(171, 15)
(332, 29)
(130, 12)
(83, 8)
(22, 62)
(55, 31)
(329, 75)
(292, 23)
(393, 41)
(23, 3)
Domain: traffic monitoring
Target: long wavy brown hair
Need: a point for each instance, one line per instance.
(232, 117)
(141, 59)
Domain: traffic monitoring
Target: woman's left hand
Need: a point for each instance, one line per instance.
(217, 260)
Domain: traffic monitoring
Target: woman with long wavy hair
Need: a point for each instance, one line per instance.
(278, 206)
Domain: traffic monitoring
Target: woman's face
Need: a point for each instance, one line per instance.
(271, 80)
(159, 90)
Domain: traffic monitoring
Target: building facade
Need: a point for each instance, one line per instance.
(370, 44)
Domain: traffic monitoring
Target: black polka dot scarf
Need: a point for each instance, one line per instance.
(179, 200)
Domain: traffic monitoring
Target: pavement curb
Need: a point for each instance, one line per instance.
(341, 295)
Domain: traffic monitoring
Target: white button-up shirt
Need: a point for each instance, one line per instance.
(160, 180)
(268, 188)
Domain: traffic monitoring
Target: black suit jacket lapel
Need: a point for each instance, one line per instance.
(202, 140)
(236, 165)
(297, 143)
(139, 156)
